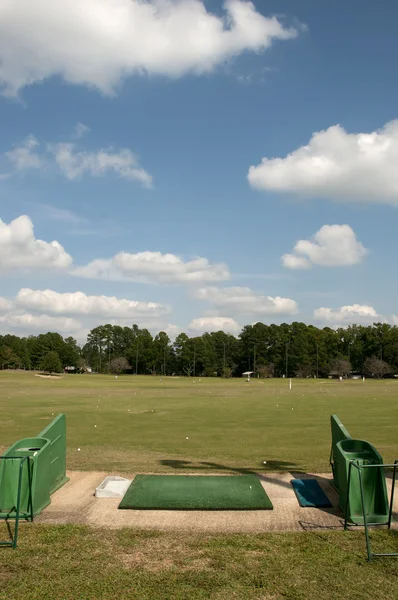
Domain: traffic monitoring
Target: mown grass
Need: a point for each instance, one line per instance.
(76, 562)
(140, 424)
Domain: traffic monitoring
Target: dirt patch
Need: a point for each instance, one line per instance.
(48, 376)
(161, 554)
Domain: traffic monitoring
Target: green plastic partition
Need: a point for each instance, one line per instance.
(375, 499)
(56, 433)
(339, 434)
(46, 455)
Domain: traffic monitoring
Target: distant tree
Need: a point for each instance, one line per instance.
(303, 371)
(228, 372)
(83, 364)
(375, 367)
(8, 358)
(340, 367)
(119, 364)
(51, 363)
(266, 371)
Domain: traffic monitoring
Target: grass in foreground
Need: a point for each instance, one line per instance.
(140, 425)
(70, 562)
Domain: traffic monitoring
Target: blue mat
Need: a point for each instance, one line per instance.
(310, 493)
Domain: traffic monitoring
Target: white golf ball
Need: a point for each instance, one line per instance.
(187, 438)
(264, 462)
(78, 449)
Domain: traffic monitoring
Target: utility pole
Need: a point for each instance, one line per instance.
(136, 361)
(287, 358)
(317, 360)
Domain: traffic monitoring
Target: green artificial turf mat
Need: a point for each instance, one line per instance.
(190, 492)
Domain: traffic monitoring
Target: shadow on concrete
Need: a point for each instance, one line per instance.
(260, 471)
(308, 526)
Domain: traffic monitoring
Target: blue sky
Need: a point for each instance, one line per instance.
(162, 164)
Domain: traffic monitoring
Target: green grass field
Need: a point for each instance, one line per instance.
(138, 425)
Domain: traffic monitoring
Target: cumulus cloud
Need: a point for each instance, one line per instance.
(331, 246)
(5, 304)
(78, 303)
(345, 315)
(153, 267)
(41, 323)
(337, 165)
(243, 300)
(172, 330)
(74, 163)
(100, 42)
(19, 249)
(210, 324)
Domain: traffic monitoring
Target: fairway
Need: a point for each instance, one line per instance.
(180, 425)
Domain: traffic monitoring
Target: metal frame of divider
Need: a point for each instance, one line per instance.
(366, 524)
(15, 513)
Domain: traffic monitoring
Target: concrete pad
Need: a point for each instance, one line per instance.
(75, 503)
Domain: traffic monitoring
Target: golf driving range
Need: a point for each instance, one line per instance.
(217, 459)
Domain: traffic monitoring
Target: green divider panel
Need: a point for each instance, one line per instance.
(339, 433)
(56, 433)
(37, 449)
(47, 463)
(373, 480)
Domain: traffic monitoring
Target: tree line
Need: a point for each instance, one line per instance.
(286, 350)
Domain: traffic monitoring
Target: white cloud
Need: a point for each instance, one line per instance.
(80, 130)
(292, 261)
(331, 246)
(153, 267)
(54, 213)
(171, 330)
(74, 164)
(41, 323)
(209, 324)
(337, 165)
(354, 314)
(25, 156)
(78, 303)
(243, 300)
(100, 42)
(19, 249)
(5, 304)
